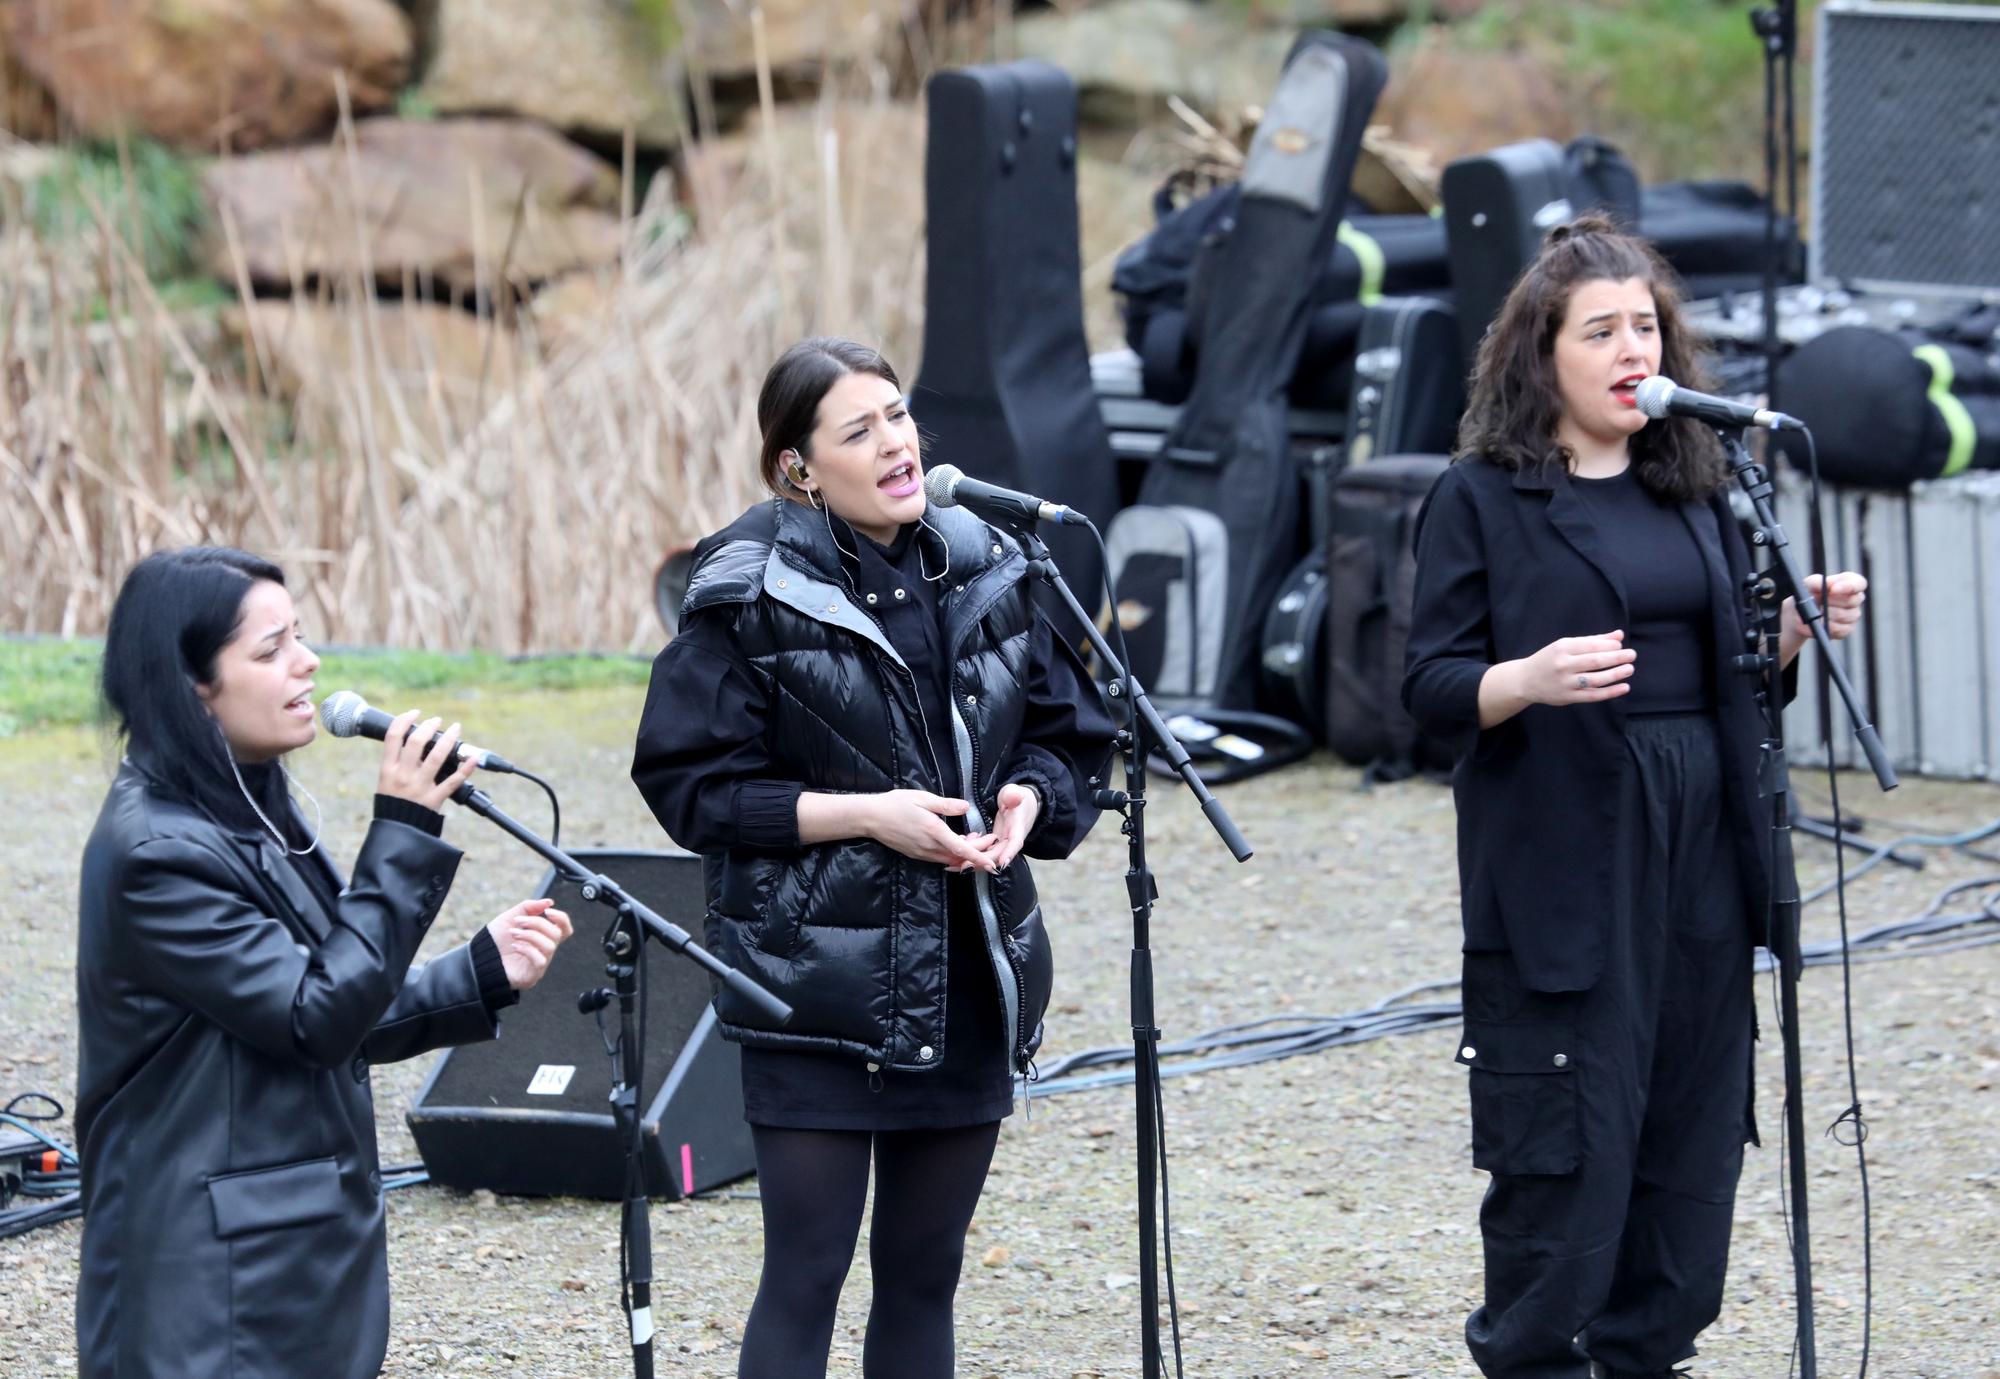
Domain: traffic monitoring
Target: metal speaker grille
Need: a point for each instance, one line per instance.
(1906, 151)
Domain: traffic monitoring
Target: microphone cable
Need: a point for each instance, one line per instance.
(54, 1185)
(1850, 1127)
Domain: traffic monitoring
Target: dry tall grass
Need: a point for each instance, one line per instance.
(525, 510)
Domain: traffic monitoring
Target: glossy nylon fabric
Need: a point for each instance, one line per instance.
(848, 933)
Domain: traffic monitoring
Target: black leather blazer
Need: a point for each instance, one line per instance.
(232, 1195)
(1508, 562)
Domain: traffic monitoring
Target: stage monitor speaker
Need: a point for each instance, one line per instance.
(529, 1113)
(1906, 149)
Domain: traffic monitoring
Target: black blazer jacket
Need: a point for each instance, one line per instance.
(232, 1197)
(1508, 562)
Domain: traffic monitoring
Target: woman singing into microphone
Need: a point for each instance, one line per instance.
(1578, 612)
(861, 724)
(232, 995)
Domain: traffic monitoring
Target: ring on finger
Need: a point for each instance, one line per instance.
(1583, 682)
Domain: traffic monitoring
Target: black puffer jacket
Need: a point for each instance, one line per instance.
(851, 932)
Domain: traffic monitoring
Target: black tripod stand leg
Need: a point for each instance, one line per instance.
(623, 948)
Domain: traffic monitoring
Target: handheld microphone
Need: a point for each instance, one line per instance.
(1659, 397)
(948, 486)
(347, 714)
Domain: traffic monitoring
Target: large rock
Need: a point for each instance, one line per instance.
(1133, 53)
(460, 202)
(420, 361)
(1450, 101)
(594, 67)
(719, 40)
(26, 110)
(1355, 14)
(209, 74)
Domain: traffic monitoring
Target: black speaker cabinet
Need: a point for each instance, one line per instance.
(530, 1112)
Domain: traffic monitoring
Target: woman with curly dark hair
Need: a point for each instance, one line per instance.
(1576, 616)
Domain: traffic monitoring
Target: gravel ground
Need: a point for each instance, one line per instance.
(1324, 1207)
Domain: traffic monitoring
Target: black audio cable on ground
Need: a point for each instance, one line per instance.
(50, 1179)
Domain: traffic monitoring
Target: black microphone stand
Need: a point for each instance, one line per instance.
(1143, 890)
(1774, 785)
(634, 923)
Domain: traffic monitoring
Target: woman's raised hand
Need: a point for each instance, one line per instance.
(410, 762)
(527, 935)
(1577, 670)
(913, 823)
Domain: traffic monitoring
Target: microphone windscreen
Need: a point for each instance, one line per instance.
(941, 485)
(341, 712)
(1654, 394)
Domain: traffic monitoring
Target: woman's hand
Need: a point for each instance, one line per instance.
(1840, 598)
(1020, 806)
(527, 936)
(1577, 670)
(913, 823)
(410, 762)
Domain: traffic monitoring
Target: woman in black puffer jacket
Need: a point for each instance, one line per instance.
(861, 724)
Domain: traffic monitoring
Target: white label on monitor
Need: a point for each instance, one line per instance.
(551, 1079)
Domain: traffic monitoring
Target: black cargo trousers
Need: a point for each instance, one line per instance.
(1613, 1120)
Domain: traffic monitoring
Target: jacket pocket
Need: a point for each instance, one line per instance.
(264, 1199)
(1525, 1118)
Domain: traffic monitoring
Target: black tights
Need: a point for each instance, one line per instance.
(813, 1184)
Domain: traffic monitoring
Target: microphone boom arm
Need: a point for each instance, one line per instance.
(608, 892)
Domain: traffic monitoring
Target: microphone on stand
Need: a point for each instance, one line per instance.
(1660, 397)
(948, 486)
(347, 714)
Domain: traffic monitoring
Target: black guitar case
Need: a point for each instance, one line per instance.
(1004, 390)
(1228, 452)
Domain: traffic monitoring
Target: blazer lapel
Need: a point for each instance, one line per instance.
(291, 899)
(1571, 519)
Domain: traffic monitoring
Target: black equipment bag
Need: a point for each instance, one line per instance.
(1890, 407)
(1293, 646)
(1712, 235)
(1499, 205)
(1169, 572)
(1602, 179)
(1409, 380)
(1372, 256)
(1371, 566)
(1004, 391)
(1228, 451)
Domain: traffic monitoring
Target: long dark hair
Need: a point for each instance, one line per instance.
(788, 403)
(1514, 407)
(173, 615)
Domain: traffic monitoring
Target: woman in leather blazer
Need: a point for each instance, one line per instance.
(1577, 619)
(861, 725)
(232, 995)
